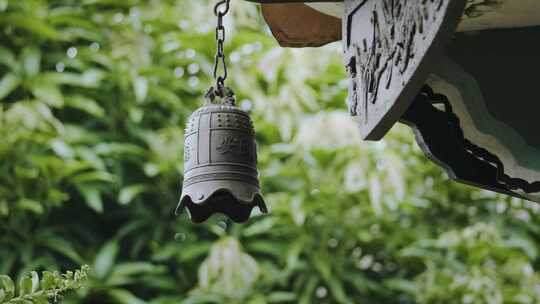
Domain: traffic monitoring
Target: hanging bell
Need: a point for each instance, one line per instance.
(220, 161)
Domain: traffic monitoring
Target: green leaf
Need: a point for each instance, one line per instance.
(48, 93)
(123, 296)
(8, 288)
(94, 176)
(281, 297)
(525, 244)
(7, 58)
(140, 88)
(92, 196)
(119, 149)
(48, 280)
(31, 24)
(194, 251)
(40, 299)
(125, 273)
(4, 209)
(402, 285)
(308, 290)
(61, 246)
(260, 227)
(323, 265)
(31, 61)
(275, 249)
(105, 258)
(164, 95)
(128, 193)
(8, 84)
(30, 205)
(25, 286)
(34, 291)
(90, 78)
(62, 149)
(35, 281)
(85, 104)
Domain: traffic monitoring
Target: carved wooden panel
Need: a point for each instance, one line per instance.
(390, 47)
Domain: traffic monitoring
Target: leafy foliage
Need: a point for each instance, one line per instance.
(32, 289)
(94, 97)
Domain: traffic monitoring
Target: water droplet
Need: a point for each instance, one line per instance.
(190, 53)
(60, 66)
(258, 45)
(235, 57)
(523, 215)
(333, 243)
(193, 68)
(151, 169)
(72, 52)
(246, 104)
(180, 237)
(343, 84)
(247, 49)
(204, 28)
(193, 81)
(148, 28)
(183, 24)
(118, 17)
(3, 5)
(357, 252)
(94, 46)
(528, 270)
(179, 72)
(501, 207)
(380, 145)
(98, 18)
(375, 229)
(134, 13)
(365, 262)
(468, 298)
(429, 182)
(377, 267)
(405, 148)
(222, 225)
(321, 292)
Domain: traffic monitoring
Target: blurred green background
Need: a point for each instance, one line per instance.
(94, 95)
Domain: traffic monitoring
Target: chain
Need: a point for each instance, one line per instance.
(220, 10)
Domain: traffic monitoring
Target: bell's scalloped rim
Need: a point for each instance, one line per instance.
(221, 200)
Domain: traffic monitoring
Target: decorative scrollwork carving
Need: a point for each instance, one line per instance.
(388, 45)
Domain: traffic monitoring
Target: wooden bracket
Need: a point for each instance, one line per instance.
(298, 25)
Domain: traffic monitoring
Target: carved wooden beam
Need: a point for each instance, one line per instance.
(390, 48)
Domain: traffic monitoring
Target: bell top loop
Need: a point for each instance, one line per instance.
(218, 11)
(225, 94)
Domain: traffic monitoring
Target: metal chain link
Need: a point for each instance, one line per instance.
(220, 10)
